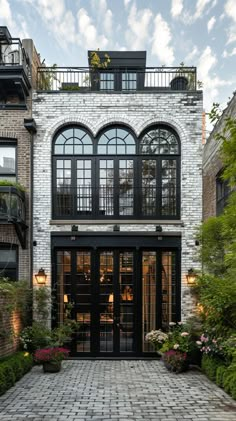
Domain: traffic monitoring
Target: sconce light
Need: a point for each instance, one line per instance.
(41, 277)
(191, 277)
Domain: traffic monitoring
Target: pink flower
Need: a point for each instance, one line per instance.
(214, 341)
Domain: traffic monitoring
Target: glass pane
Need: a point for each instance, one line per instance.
(126, 280)
(63, 284)
(106, 187)
(168, 289)
(149, 296)
(149, 190)
(7, 160)
(106, 302)
(83, 300)
(7, 256)
(126, 187)
(169, 187)
(63, 193)
(84, 187)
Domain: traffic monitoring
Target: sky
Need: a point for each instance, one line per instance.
(199, 33)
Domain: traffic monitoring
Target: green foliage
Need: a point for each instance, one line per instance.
(209, 365)
(228, 150)
(218, 299)
(35, 337)
(215, 113)
(97, 62)
(13, 184)
(46, 78)
(229, 380)
(179, 338)
(220, 371)
(212, 240)
(42, 298)
(13, 368)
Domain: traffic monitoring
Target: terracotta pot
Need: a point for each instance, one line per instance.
(52, 366)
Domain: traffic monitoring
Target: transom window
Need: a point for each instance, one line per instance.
(116, 175)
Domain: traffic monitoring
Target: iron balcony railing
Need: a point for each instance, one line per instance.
(13, 54)
(108, 201)
(80, 79)
(12, 204)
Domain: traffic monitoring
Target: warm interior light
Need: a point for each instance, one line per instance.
(191, 277)
(65, 299)
(41, 277)
(111, 298)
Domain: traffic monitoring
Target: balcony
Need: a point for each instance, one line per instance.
(12, 210)
(14, 72)
(125, 202)
(148, 79)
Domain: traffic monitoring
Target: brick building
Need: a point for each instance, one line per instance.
(18, 69)
(215, 190)
(117, 197)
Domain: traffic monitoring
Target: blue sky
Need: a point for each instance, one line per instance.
(196, 32)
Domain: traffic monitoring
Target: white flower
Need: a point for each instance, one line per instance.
(176, 346)
(184, 334)
(172, 324)
(198, 343)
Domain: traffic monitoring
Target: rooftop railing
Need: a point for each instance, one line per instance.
(13, 54)
(80, 79)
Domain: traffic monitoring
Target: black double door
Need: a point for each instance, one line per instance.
(117, 296)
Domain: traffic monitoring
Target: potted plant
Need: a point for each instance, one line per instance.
(51, 358)
(177, 347)
(156, 338)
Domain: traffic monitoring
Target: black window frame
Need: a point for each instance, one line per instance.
(12, 266)
(9, 143)
(137, 158)
(221, 199)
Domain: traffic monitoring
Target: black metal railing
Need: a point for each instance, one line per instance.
(125, 201)
(12, 204)
(13, 54)
(80, 79)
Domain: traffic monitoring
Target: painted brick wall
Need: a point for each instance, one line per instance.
(181, 110)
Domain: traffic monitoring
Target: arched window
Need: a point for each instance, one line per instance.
(159, 141)
(73, 141)
(106, 177)
(116, 141)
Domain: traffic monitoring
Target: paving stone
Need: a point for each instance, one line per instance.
(111, 390)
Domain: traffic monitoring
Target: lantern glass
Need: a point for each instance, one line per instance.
(191, 277)
(41, 277)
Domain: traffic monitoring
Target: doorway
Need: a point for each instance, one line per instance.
(117, 296)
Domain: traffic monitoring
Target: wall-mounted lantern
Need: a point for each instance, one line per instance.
(41, 277)
(191, 277)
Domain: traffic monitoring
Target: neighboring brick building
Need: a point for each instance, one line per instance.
(215, 190)
(117, 197)
(18, 63)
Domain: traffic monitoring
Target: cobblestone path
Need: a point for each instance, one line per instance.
(118, 391)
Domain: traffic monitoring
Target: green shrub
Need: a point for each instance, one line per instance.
(229, 380)
(220, 371)
(209, 366)
(9, 374)
(3, 386)
(13, 368)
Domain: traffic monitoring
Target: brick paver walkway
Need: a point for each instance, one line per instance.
(115, 390)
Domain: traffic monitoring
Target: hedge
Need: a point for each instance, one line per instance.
(13, 368)
(217, 371)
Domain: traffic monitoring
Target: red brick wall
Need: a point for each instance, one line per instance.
(10, 327)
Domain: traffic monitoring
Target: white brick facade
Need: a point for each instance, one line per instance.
(180, 110)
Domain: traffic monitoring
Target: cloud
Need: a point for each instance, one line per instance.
(211, 23)
(187, 18)
(231, 32)
(17, 26)
(188, 59)
(176, 7)
(161, 41)
(211, 82)
(200, 6)
(230, 9)
(138, 27)
(88, 36)
(126, 3)
(226, 54)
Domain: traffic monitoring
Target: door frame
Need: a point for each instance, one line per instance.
(138, 242)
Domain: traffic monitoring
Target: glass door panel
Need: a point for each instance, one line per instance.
(83, 300)
(149, 187)
(84, 188)
(126, 307)
(63, 284)
(149, 288)
(106, 301)
(168, 288)
(126, 187)
(106, 187)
